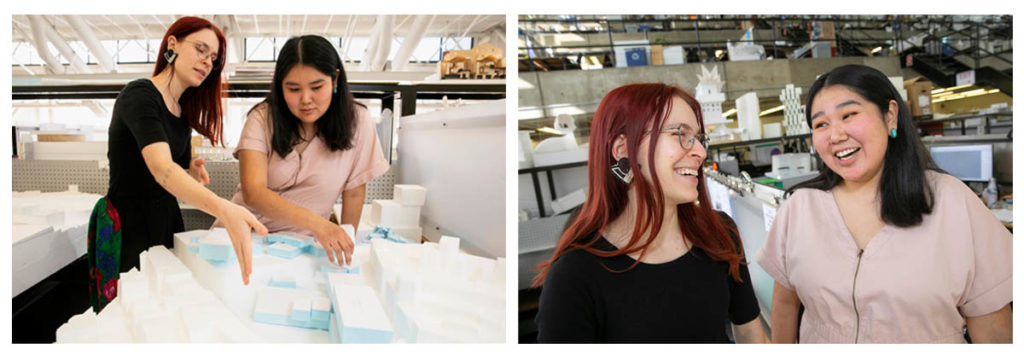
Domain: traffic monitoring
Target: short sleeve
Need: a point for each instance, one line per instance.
(369, 161)
(256, 132)
(743, 306)
(566, 312)
(140, 106)
(991, 287)
(772, 255)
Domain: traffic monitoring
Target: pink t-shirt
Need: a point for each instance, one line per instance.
(316, 178)
(913, 285)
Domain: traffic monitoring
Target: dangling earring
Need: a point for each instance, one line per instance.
(621, 170)
(893, 133)
(170, 56)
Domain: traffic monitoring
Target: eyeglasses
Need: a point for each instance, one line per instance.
(203, 52)
(686, 141)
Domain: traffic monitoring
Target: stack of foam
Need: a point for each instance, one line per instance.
(162, 303)
(401, 214)
(432, 292)
(49, 232)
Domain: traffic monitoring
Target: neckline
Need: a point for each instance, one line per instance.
(632, 260)
(846, 234)
(164, 106)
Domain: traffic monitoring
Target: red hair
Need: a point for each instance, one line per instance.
(633, 110)
(200, 106)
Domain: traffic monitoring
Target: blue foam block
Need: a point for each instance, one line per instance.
(300, 316)
(193, 249)
(216, 252)
(282, 284)
(297, 241)
(283, 250)
(274, 238)
(318, 251)
(320, 316)
(339, 270)
(286, 320)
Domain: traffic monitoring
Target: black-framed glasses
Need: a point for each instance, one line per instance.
(203, 52)
(686, 141)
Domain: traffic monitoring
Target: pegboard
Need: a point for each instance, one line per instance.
(223, 177)
(541, 234)
(56, 175)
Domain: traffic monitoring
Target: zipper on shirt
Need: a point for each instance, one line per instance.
(856, 312)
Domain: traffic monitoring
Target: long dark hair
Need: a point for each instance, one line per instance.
(631, 110)
(906, 195)
(201, 105)
(338, 124)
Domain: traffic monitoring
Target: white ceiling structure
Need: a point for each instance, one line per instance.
(58, 30)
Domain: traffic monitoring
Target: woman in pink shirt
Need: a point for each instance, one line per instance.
(883, 247)
(307, 144)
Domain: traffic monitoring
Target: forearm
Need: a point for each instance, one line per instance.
(995, 327)
(352, 205)
(179, 183)
(785, 310)
(749, 332)
(273, 206)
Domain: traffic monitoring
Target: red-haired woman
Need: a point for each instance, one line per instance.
(647, 260)
(150, 145)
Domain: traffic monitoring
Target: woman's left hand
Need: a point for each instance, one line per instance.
(198, 172)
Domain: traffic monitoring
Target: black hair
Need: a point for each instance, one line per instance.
(338, 125)
(905, 193)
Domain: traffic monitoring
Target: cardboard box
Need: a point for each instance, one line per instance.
(919, 96)
(657, 54)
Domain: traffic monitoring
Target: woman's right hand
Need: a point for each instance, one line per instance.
(240, 224)
(335, 242)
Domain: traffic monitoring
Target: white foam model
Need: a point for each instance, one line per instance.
(161, 303)
(709, 94)
(566, 125)
(793, 111)
(432, 292)
(49, 231)
(748, 110)
(401, 214)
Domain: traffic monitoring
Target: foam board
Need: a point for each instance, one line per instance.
(391, 213)
(361, 318)
(283, 250)
(410, 195)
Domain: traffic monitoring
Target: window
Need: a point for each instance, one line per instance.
(259, 49)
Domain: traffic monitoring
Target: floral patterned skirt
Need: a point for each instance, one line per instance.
(104, 254)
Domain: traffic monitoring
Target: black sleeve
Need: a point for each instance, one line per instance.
(742, 302)
(566, 312)
(139, 107)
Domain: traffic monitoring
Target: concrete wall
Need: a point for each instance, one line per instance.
(766, 77)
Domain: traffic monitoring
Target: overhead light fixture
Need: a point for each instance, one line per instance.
(966, 94)
(772, 110)
(729, 113)
(876, 50)
(936, 91)
(550, 130)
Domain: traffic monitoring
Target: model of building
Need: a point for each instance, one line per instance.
(793, 111)
(709, 94)
(484, 61)
(748, 110)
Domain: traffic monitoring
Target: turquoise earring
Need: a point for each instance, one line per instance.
(335, 89)
(893, 133)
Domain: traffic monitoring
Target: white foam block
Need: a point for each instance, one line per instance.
(391, 213)
(448, 246)
(361, 317)
(410, 195)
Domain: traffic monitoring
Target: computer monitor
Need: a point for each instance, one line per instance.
(966, 162)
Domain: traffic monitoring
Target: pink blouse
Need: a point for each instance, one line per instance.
(316, 178)
(910, 285)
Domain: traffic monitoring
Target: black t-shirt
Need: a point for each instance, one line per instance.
(686, 300)
(141, 118)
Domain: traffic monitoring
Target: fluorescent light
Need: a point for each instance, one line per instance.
(966, 94)
(876, 50)
(772, 110)
(550, 130)
(729, 113)
(936, 91)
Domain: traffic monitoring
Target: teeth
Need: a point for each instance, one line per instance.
(844, 154)
(686, 171)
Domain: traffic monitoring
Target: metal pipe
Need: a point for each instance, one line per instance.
(39, 41)
(103, 58)
(384, 40)
(371, 46)
(412, 39)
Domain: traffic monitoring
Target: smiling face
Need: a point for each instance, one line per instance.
(197, 54)
(676, 168)
(307, 91)
(850, 133)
